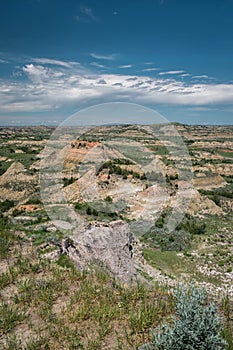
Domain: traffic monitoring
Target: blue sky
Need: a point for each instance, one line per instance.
(59, 56)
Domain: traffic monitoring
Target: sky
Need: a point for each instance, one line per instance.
(60, 56)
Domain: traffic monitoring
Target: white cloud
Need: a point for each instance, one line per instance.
(172, 72)
(103, 57)
(52, 88)
(201, 109)
(126, 66)
(149, 63)
(95, 64)
(36, 73)
(3, 61)
(201, 76)
(54, 62)
(150, 69)
(185, 75)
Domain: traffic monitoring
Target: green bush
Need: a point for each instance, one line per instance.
(79, 205)
(35, 200)
(88, 211)
(6, 205)
(68, 181)
(192, 225)
(180, 238)
(196, 324)
(108, 199)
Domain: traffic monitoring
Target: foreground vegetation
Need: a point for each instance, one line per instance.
(48, 305)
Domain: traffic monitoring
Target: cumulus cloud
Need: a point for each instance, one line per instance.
(52, 88)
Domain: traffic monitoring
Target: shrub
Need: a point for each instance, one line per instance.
(35, 200)
(6, 205)
(95, 212)
(196, 325)
(88, 211)
(68, 181)
(192, 225)
(78, 205)
(108, 199)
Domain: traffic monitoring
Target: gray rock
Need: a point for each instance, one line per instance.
(111, 246)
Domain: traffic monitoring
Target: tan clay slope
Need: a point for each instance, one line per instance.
(16, 184)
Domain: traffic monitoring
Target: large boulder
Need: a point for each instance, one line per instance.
(111, 245)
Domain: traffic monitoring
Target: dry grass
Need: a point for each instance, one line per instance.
(48, 305)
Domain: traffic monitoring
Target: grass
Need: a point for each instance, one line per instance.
(25, 158)
(64, 308)
(228, 329)
(4, 166)
(168, 262)
(11, 315)
(93, 313)
(211, 251)
(226, 154)
(7, 238)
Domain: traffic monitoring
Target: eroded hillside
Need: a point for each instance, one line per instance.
(144, 176)
(140, 203)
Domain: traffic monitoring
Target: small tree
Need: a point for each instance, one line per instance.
(196, 325)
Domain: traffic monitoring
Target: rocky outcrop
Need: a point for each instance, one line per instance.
(111, 245)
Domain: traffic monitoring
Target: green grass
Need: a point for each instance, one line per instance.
(7, 238)
(11, 315)
(225, 154)
(161, 150)
(72, 309)
(168, 262)
(228, 178)
(95, 311)
(25, 158)
(4, 166)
